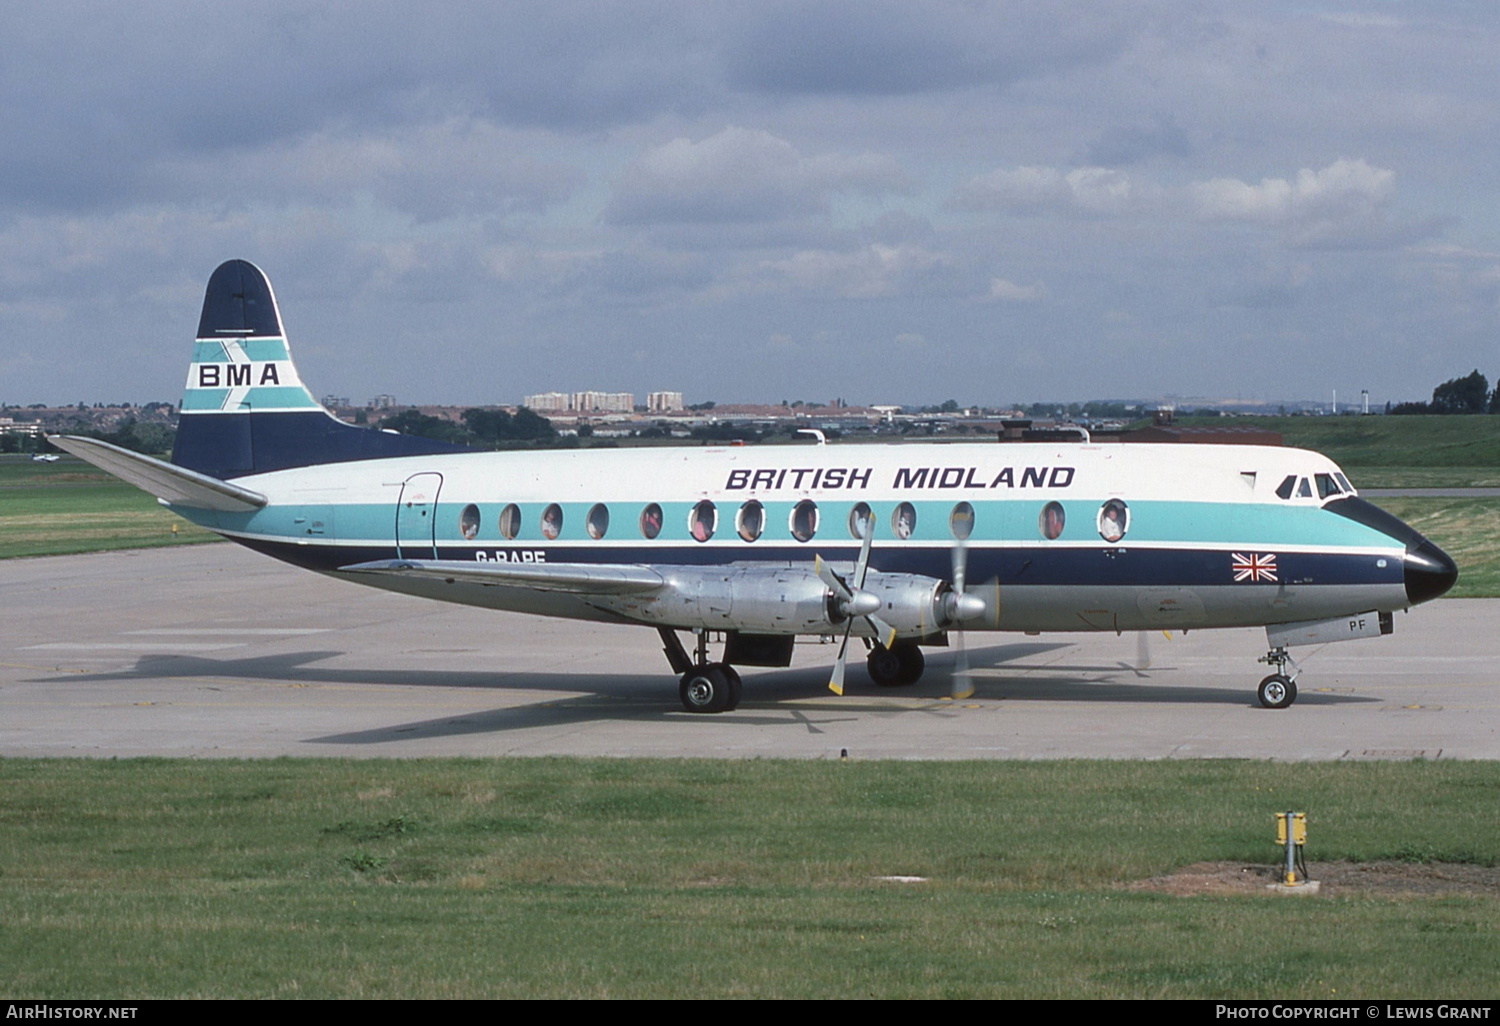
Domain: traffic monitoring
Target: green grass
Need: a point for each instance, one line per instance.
(1467, 529)
(1395, 452)
(49, 509)
(595, 878)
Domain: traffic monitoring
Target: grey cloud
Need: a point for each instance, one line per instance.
(742, 175)
(891, 48)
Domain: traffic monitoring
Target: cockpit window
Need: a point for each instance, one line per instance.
(1327, 485)
(1304, 490)
(1284, 490)
(1344, 481)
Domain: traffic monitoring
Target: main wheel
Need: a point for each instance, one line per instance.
(884, 665)
(913, 662)
(736, 689)
(705, 689)
(1277, 691)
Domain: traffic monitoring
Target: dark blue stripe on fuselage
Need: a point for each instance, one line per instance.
(229, 445)
(1106, 567)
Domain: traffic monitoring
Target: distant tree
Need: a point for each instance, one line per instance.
(415, 422)
(1495, 398)
(1407, 409)
(1469, 394)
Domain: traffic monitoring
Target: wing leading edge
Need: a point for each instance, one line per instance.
(573, 578)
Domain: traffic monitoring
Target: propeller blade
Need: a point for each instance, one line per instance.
(963, 678)
(836, 682)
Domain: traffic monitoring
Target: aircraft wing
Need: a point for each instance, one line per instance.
(577, 578)
(166, 481)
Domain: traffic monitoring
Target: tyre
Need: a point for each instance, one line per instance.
(705, 689)
(1276, 692)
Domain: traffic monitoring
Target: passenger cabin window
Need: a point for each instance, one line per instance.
(598, 521)
(804, 522)
(510, 522)
(1114, 520)
(904, 521)
(961, 521)
(701, 520)
(750, 521)
(1051, 520)
(651, 521)
(552, 520)
(860, 519)
(468, 522)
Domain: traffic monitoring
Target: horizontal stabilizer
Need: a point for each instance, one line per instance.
(578, 578)
(168, 482)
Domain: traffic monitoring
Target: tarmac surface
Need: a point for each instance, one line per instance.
(214, 651)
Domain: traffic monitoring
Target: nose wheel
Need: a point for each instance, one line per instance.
(1279, 690)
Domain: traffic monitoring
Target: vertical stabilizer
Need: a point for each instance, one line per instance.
(245, 409)
(241, 363)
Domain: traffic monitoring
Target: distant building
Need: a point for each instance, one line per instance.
(383, 402)
(663, 402)
(548, 402)
(603, 402)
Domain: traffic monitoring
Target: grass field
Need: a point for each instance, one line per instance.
(1396, 452)
(49, 509)
(594, 878)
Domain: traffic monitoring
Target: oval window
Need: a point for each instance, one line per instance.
(804, 521)
(598, 520)
(750, 520)
(904, 521)
(510, 521)
(468, 522)
(651, 521)
(961, 521)
(552, 521)
(1051, 520)
(1114, 520)
(702, 520)
(860, 519)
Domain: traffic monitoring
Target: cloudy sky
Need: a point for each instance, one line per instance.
(885, 202)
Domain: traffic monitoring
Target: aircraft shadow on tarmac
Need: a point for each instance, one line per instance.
(650, 696)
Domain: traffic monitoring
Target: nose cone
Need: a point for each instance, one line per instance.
(1430, 571)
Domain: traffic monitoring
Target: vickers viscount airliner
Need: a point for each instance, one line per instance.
(899, 545)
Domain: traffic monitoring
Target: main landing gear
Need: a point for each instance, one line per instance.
(897, 666)
(1279, 690)
(708, 687)
(705, 687)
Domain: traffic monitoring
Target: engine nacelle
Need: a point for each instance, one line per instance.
(910, 603)
(759, 600)
(785, 600)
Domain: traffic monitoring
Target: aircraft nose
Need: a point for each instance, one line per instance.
(1429, 571)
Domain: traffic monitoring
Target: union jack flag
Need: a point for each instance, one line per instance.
(1253, 567)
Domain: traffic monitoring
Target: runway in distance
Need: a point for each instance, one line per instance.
(899, 545)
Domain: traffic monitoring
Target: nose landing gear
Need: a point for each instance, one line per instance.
(1279, 690)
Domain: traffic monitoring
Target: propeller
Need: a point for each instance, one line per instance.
(959, 607)
(852, 602)
(1143, 649)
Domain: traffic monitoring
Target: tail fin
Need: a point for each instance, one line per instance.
(245, 410)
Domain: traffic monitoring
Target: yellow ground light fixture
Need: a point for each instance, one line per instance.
(1291, 834)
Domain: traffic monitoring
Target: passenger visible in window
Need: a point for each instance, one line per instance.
(1051, 521)
(904, 521)
(1113, 520)
(552, 520)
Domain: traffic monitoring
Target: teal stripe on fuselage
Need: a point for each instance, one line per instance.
(1263, 526)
